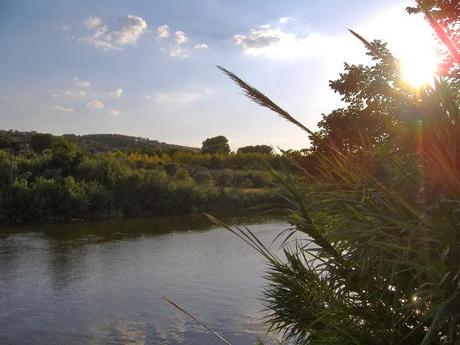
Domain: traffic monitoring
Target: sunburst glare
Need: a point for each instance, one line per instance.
(419, 67)
(420, 59)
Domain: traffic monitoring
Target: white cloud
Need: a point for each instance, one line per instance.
(178, 97)
(163, 31)
(129, 30)
(178, 52)
(116, 93)
(258, 38)
(63, 109)
(180, 37)
(284, 20)
(407, 37)
(82, 83)
(201, 46)
(115, 113)
(95, 104)
(92, 22)
(275, 43)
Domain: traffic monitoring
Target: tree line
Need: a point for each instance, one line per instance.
(48, 178)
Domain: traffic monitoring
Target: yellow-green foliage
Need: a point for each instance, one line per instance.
(64, 182)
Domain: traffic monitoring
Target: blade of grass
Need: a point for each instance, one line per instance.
(201, 323)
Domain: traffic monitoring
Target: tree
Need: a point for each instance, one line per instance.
(263, 149)
(215, 145)
(377, 105)
(66, 155)
(40, 142)
(8, 142)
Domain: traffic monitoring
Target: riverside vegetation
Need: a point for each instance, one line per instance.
(378, 195)
(50, 178)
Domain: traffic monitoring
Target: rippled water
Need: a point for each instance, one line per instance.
(101, 283)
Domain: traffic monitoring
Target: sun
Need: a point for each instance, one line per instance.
(412, 41)
(419, 66)
(419, 57)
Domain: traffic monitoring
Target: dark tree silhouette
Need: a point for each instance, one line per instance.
(264, 149)
(217, 144)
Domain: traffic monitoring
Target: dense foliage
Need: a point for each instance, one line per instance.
(47, 178)
(256, 149)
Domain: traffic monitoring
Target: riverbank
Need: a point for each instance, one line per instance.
(63, 182)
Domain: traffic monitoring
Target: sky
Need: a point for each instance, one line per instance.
(148, 67)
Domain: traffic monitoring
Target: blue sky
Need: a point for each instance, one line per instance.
(147, 67)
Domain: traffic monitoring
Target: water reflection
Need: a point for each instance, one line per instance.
(101, 283)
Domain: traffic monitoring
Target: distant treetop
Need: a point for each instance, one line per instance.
(265, 149)
(217, 144)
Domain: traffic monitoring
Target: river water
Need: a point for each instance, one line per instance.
(102, 283)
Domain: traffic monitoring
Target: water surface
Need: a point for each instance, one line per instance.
(101, 283)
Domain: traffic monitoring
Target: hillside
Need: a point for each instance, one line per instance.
(97, 142)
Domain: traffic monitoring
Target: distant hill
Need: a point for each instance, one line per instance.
(104, 142)
(125, 143)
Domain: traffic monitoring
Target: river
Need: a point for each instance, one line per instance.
(103, 282)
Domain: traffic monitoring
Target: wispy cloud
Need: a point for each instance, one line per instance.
(163, 31)
(92, 22)
(67, 34)
(201, 46)
(75, 93)
(115, 113)
(70, 93)
(284, 20)
(128, 32)
(177, 97)
(116, 93)
(177, 45)
(81, 98)
(62, 108)
(95, 104)
(82, 83)
(178, 52)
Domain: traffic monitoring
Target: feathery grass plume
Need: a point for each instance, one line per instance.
(259, 98)
(264, 101)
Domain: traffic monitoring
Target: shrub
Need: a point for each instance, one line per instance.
(203, 177)
(224, 178)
